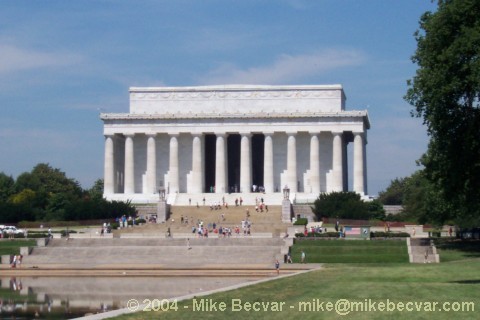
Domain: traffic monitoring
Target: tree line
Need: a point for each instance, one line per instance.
(47, 194)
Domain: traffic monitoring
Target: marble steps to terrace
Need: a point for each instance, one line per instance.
(270, 221)
(417, 247)
(165, 242)
(185, 199)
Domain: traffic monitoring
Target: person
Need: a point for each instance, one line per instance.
(303, 257)
(277, 267)
(426, 255)
(450, 231)
(169, 234)
(188, 244)
(19, 261)
(289, 258)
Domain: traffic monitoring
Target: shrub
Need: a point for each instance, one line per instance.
(381, 234)
(301, 222)
(318, 235)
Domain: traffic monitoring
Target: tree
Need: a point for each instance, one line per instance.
(376, 210)
(423, 202)
(342, 205)
(446, 92)
(96, 192)
(6, 186)
(393, 195)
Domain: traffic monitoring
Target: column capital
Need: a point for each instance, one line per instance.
(129, 135)
(151, 134)
(291, 133)
(314, 133)
(245, 134)
(337, 132)
(174, 134)
(221, 134)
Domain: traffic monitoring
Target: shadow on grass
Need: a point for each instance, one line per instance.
(471, 247)
(466, 281)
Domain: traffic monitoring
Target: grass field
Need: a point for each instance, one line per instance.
(351, 251)
(417, 286)
(13, 246)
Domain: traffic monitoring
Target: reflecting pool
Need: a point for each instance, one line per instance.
(71, 297)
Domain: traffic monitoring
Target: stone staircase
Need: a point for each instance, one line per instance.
(157, 253)
(422, 250)
(185, 199)
(263, 223)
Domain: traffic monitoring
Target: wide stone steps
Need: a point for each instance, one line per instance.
(184, 199)
(158, 242)
(264, 222)
(167, 253)
(422, 250)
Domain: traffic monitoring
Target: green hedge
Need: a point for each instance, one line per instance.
(301, 222)
(381, 234)
(318, 235)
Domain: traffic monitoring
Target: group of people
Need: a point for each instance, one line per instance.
(202, 231)
(288, 259)
(106, 228)
(123, 221)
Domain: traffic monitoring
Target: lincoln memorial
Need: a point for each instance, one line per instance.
(234, 139)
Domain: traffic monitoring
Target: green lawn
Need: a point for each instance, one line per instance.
(457, 250)
(367, 284)
(13, 246)
(394, 283)
(351, 251)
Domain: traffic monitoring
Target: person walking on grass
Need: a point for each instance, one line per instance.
(302, 257)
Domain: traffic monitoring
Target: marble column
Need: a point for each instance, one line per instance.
(268, 163)
(245, 163)
(151, 164)
(220, 163)
(292, 162)
(109, 179)
(129, 165)
(173, 174)
(337, 162)
(358, 166)
(197, 164)
(314, 164)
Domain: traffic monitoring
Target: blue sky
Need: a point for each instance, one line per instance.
(62, 62)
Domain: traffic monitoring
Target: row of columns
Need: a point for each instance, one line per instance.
(196, 185)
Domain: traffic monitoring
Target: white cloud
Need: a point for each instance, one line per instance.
(287, 68)
(14, 59)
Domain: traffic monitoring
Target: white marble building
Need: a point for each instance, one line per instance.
(227, 139)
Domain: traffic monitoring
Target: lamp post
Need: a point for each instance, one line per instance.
(161, 193)
(286, 193)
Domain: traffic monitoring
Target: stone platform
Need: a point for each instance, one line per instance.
(156, 253)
